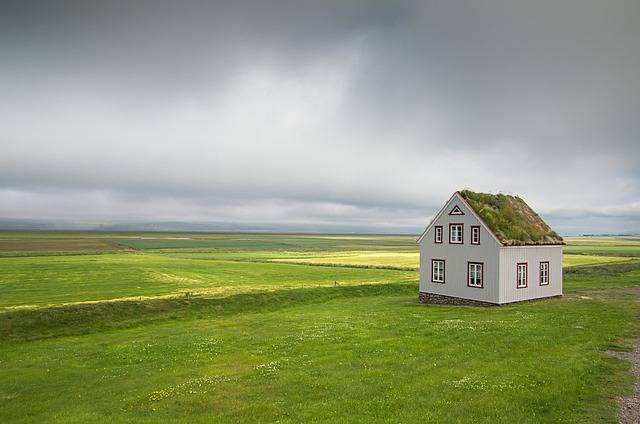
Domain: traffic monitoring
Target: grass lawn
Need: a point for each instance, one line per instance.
(356, 358)
(239, 348)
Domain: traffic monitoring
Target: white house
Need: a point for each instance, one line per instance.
(488, 249)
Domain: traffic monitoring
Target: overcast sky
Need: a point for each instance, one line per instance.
(362, 114)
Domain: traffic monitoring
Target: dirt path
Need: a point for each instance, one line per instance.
(629, 407)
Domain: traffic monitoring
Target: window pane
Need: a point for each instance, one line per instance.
(438, 271)
(475, 275)
(456, 233)
(522, 275)
(544, 273)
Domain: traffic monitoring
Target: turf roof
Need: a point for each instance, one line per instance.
(512, 221)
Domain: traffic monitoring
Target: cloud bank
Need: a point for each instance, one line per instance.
(365, 115)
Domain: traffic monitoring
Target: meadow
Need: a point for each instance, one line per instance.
(163, 327)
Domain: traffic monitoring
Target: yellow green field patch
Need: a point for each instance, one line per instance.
(359, 258)
(412, 259)
(569, 260)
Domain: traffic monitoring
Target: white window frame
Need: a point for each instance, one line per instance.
(438, 234)
(475, 274)
(439, 265)
(475, 234)
(544, 273)
(522, 270)
(460, 233)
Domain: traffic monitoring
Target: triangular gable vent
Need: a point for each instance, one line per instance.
(456, 211)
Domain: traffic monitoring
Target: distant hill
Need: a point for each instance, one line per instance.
(25, 225)
(179, 226)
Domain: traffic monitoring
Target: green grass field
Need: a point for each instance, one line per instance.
(253, 328)
(54, 280)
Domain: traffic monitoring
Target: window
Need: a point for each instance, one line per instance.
(544, 273)
(475, 234)
(455, 233)
(438, 234)
(474, 274)
(522, 275)
(437, 270)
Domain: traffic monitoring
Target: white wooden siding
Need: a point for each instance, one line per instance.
(457, 256)
(532, 255)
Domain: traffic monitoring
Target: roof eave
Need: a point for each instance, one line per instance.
(517, 243)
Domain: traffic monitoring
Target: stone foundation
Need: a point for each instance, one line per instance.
(441, 299)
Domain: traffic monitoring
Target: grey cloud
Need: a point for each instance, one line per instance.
(363, 113)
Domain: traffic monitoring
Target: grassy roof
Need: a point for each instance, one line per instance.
(511, 219)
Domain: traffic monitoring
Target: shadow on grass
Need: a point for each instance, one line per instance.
(605, 270)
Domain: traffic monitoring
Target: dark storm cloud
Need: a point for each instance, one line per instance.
(361, 112)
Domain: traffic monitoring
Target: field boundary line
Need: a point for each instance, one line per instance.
(23, 325)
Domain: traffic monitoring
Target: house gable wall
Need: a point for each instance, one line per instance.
(457, 256)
